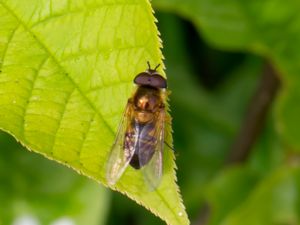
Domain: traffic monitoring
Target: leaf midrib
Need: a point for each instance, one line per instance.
(51, 55)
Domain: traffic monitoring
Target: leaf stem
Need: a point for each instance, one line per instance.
(252, 126)
(256, 114)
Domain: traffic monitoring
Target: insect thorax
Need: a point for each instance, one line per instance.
(147, 101)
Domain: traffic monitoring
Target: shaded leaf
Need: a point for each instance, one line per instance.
(274, 201)
(239, 196)
(229, 190)
(44, 190)
(267, 28)
(233, 188)
(205, 122)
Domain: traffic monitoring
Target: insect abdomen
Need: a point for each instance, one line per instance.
(144, 145)
(143, 154)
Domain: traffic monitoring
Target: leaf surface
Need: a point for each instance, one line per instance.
(66, 74)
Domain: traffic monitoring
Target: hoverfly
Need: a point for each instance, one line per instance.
(140, 137)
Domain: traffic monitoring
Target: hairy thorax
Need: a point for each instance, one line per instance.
(147, 102)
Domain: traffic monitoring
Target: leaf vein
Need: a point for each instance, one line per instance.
(62, 114)
(85, 136)
(42, 45)
(78, 11)
(93, 51)
(7, 45)
(32, 84)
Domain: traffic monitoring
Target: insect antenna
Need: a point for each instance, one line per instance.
(157, 67)
(149, 66)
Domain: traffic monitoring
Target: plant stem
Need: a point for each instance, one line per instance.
(256, 114)
(252, 126)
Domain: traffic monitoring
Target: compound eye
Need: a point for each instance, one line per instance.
(143, 79)
(152, 80)
(158, 81)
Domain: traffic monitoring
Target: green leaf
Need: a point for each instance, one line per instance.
(234, 186)
(268, 28)
(229, 190)
(288, 111)
(27, 178)
(253, 25)
(274, 201)
(66, 74)
(238, 198)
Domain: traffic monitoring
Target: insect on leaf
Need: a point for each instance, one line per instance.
(66, 73)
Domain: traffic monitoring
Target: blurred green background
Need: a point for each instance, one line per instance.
(214, 75)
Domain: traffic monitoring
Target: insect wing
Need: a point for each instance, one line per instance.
(152, 171)
(121, 151)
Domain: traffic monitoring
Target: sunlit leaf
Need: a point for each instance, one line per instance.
(66, 74)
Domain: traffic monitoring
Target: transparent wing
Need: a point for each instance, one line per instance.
(123, 147)
(152, 170)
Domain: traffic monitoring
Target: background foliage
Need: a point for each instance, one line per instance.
(215, 54)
